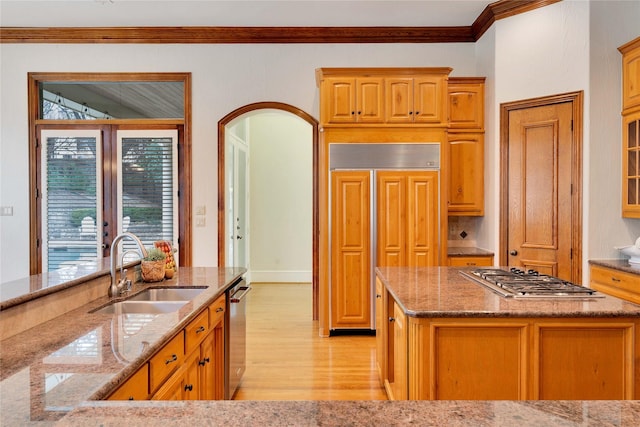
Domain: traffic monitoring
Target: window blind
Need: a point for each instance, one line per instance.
(71, 196)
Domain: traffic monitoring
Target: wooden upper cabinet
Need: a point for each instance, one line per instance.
(630, 74)
(631, 129)
(466, 174)
(631, 165)
(419, 99)
(383, 96)
(352, 100)
(466, 103)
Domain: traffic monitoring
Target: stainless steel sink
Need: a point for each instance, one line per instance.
(167, 294)
(141, 307)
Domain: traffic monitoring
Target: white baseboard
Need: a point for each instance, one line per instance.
(280, 276)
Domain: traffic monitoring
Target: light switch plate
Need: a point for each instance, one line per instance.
(6, 211)
(201, 210)
(200, 222)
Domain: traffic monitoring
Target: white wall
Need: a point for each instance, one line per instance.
(612, 25)
(539, 53)
(225, 77)
(281, 197)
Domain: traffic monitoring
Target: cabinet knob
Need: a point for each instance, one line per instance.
(378, 296)
(513, 252)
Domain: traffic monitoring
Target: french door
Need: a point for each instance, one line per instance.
(97, 181)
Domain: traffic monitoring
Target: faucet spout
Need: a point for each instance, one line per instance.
(116, 286)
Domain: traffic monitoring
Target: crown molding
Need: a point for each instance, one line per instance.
(260, 35)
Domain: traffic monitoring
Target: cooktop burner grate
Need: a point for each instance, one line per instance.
(517, 283)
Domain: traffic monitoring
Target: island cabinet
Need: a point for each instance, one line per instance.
(615, 282)
(502, 358)
(631, 129)
(383, 96)
(190, 366)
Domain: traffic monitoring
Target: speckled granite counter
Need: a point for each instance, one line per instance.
(360, 413)
(617, 264)
(461, 251)
(47, 370)
(444, 292)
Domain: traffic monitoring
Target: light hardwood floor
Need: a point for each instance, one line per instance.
(287, 360)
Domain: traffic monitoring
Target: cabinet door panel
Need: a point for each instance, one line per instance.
(399, 100)
(369, 99)
(466, 105)
(341, 100)
(466, 174)
(584, 361)
(392, 219)
(429, 102)
(479, 362)
(350, 267)
(422, 208)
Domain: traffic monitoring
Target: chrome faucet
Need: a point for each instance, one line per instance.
(116, 286)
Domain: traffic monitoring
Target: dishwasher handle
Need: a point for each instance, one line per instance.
(242, 291)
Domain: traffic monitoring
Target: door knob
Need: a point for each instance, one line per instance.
(238, 237)
(513, 252)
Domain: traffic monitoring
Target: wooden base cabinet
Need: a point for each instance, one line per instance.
(470, 261)
(615, 282)
(188, 367)
(509, 358)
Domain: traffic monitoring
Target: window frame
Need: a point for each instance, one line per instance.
(109, 190)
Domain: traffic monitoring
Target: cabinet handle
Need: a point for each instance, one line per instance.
(200, 329)
(615, 279)
(391, 319)
(131, 398)
(203, 361)
(471, 263)
(410, 112)
(378, 296)
(417, 112)
(353, 112)
(173, 359)
(359, 112)
(188, 387)
(219, 309)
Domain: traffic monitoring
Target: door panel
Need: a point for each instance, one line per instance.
(350, 264)
(391, 219)
(539, 193)
(422, 239)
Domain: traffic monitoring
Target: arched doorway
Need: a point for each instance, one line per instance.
(222, 223)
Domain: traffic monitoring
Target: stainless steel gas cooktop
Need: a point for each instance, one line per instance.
(516, 283)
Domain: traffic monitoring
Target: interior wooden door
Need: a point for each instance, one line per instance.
(539, 191)
(350, 253)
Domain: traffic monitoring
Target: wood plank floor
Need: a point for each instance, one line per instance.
(287, 360)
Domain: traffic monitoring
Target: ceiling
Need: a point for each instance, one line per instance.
(107, 13)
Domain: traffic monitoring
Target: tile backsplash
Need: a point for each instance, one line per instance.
(463, 230)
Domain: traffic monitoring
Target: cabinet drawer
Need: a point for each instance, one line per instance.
(196, 331)
(170, 357)
(471, 261)
(617, 283)
(216, 311)
(135, 388)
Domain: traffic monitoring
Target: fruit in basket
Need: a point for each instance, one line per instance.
(170, 264)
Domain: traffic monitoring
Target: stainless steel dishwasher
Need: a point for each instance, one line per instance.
(235, 338)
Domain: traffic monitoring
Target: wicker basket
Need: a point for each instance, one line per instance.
(152, 271)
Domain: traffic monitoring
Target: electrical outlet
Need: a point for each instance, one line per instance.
(6, 211)
(201, 210)
(200, 222)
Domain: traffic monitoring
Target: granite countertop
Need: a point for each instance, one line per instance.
(616, 264)
(444, 292)
(21, 290)
(460, 251)
(49, 369)
(358, 413)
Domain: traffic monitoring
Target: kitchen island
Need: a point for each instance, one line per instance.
(441, 335)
